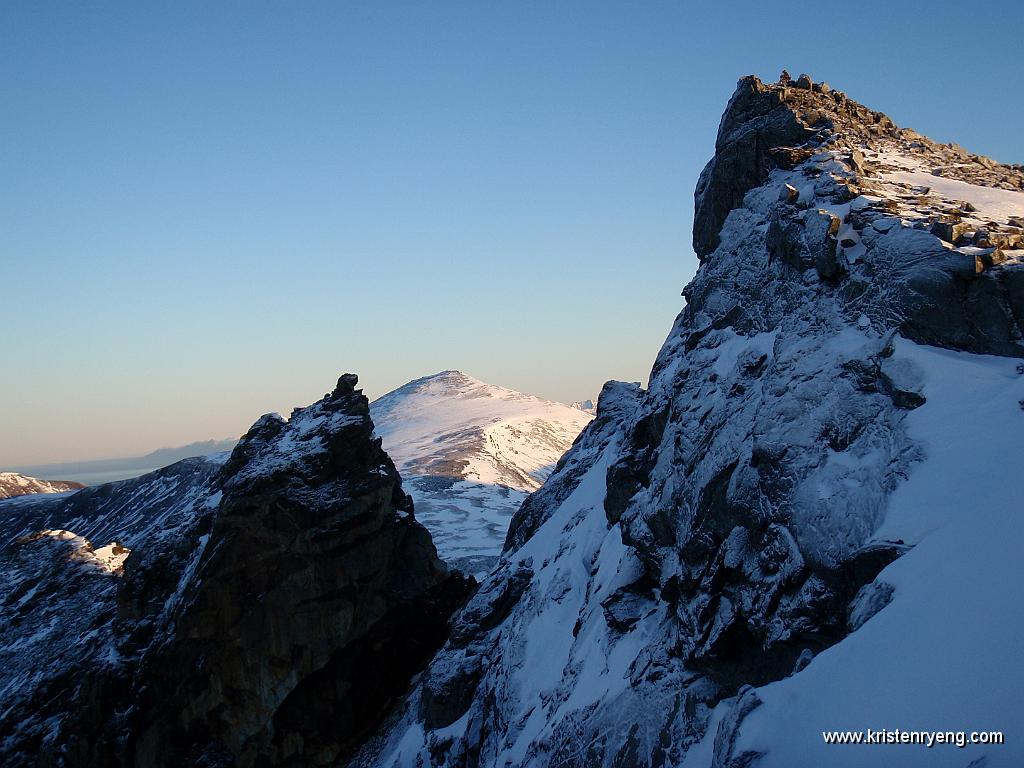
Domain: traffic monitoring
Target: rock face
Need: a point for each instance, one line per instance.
(12, 484)
(291, 605)
(718, 531)
(858, 168)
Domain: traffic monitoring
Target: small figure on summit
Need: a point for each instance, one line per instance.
(785, 78)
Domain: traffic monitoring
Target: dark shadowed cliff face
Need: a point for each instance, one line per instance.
(276, 627)
(743, 521)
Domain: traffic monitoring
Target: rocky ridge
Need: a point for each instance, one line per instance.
(269, 611)
(853, 175)
(740, 522)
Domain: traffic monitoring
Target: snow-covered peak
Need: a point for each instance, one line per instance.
(448, 386)
(453, 424)
(470, 452)
(13, 484)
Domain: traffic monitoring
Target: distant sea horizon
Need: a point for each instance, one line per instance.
(99, 477)
(98, 472)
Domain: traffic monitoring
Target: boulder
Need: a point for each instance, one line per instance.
(820, 228)
(788, 194)
(857, 161)
(989, 259)
(950, 231)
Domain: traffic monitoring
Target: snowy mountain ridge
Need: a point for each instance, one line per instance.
(451, 423)
(469, 454)
(14, 484)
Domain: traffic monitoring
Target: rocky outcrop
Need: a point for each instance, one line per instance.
(753, 138)
(313, 553)
(276, 627)
(855, 169)
(718, 531)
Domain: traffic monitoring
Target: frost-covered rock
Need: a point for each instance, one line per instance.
(751, 529)
(262, 608)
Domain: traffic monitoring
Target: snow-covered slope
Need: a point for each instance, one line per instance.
(943, 655)
(470, 453)
(13, 484)
(809, 521)
(61, 568)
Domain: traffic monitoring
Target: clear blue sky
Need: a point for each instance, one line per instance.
(208, 211)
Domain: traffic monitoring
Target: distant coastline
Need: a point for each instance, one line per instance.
(101, 471)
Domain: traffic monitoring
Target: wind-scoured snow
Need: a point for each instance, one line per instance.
(469, 454)
(998, 204)
(919, 187)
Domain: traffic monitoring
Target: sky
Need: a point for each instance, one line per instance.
(209, 211)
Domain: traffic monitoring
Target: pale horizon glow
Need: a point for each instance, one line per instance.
(210, 212)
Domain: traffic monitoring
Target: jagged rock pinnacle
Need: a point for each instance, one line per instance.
(346, 384)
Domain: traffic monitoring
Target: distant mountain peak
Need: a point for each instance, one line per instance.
(441, 383)
(14, 484)
(470, 452)
(450, 375)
